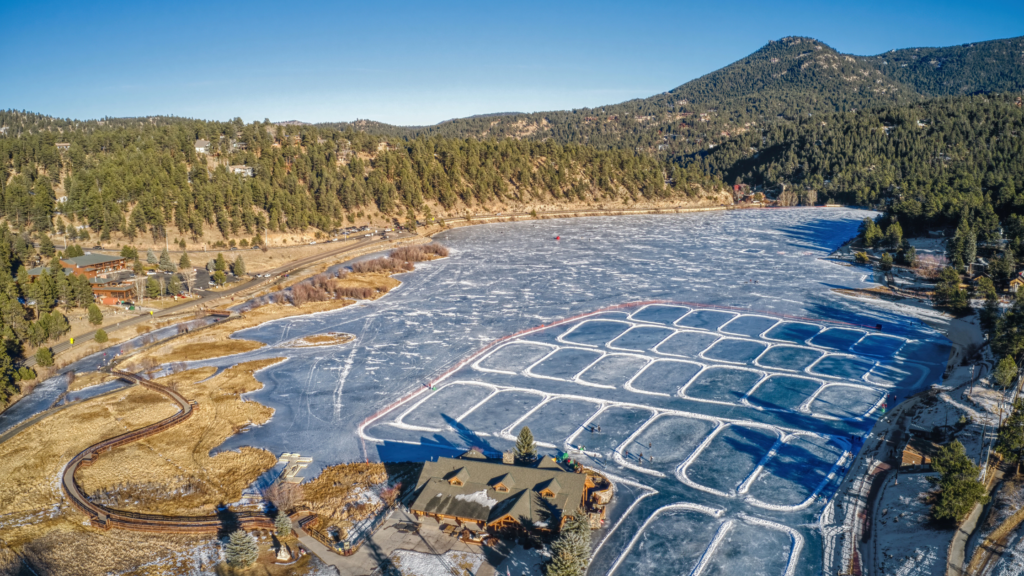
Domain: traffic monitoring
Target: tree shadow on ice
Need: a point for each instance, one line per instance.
(470, 438)
(790, 463)
(815, 235)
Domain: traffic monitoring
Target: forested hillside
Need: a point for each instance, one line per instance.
(932, 163)
(144, 177)
(785, 80)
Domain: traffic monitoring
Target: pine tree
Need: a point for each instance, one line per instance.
(165, 261)
(241, 550)
(1011, 435)
(885, 262)
(219, 278)
(526, 449)
(961, 489)
(238, 268)
(570, 552)
(184, 263)
(1006, 372)
(95, 316)
(151, 258)
(152, 288)
(46, 246)
(44, 357)
(220, 264)
(101, 336)
(173, 284)
(282, 525)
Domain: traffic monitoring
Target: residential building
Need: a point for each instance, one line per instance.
(202, 146)
(241, 169)
(63, 146)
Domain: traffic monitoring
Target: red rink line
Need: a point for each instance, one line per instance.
(425, 387)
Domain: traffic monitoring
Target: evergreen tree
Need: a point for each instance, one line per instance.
(173, 284)
(570, 552)
(46, 246)
(151, 258)
(184, 262)
(1011, 435)
(894, 235)
(219, 278)
(241, 550)
(7, 386)
(152, 288)
(885, 262)
(220, 264)
(129, 252)
(948, 292)
(101, 336)
(526, 449)
(44, 357)
(282, 525)
(238, 268)
(1006, 372)
(165, 261)
(961, 489)
(95, 316)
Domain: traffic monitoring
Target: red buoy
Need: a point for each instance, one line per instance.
(558, 237)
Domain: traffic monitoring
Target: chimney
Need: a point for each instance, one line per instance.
(507, 457)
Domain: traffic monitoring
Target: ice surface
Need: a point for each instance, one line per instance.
(749, 325)
(665, 376)
(641, 338)
(722, 384)
(659, 313)
(614, 369)
(563, 302)
(797, 332)
(735, 350)
(687, 344)
(706, 319)
(749, 549)
(730, 457)
(595, 332)
(558, 419)
(789, 357)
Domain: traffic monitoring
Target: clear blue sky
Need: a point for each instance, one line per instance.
(422, 62)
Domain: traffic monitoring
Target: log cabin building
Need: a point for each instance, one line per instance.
(499, 497)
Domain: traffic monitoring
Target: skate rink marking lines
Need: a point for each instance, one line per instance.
(598, 360)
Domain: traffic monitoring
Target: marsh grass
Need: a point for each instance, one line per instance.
(172, 472)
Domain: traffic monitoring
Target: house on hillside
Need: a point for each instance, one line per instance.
(241, 169)
(202, 146)
(1016, 283)
(498, 497)
(63, 146)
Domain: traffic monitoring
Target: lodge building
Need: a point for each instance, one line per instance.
(496, 496)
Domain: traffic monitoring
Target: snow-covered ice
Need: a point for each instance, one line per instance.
(743, 380)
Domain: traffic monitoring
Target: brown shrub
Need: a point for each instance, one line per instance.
(382, 265)
(419, 253)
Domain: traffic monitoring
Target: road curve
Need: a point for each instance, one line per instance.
(106, 518)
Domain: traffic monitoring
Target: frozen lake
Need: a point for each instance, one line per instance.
(709, 342)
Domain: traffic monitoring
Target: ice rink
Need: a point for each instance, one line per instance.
(709, 343)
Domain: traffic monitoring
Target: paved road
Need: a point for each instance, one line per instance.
(207, 296)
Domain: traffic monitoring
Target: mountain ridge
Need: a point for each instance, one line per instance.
(790, 76)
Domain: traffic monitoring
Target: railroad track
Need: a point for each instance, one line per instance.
(107, 518)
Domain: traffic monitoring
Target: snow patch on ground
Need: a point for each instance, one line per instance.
(418, 564)
(907, 543)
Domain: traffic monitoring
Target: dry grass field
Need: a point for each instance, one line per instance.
(88, 379)
(173, 472)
